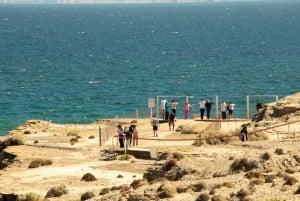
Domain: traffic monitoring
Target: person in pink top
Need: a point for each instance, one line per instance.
(186, 109)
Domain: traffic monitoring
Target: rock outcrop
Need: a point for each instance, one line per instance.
(283, 110)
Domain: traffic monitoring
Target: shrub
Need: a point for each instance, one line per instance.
(104, 191)
(91, 137)
(125, 157)
(57, 191)
(168, 190)
(266, 156)
(290, 171)
(138, 183)
(88, 177)
(30, 197)
(279, 151)
(243, 164)
(270, 178)
(178, 155)
(290, 180)
(203, 197)
(169, 164)
(39, 162)
(87, 196)
(199, 186)
(242, 193)
(73, 141)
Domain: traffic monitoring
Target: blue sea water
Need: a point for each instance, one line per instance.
(79, 63)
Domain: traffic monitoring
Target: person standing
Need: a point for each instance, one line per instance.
(230, 109)
(223, 109)
(186, 109)
(208, 108)
(173, 106)
(258, 105)
(163, 107)
(121, 135)
(172, 120)
(167, 109)
(202, 107)
(135, 136)
(155, 124)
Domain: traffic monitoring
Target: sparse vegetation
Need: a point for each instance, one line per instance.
(39, 162)
(266, 156)
(243, 164)
(57, 191)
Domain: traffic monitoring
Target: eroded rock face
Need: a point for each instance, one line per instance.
(287, 108)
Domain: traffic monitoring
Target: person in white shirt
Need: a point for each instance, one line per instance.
(230, 109)
(202, 107)
(223, 109)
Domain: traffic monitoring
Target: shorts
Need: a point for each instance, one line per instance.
(155, 128)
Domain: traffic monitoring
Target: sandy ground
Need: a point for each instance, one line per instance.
(71, 162)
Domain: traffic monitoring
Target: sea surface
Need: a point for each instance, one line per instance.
(80, 63)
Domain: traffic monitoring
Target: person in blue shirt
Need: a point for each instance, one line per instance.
(167, 110)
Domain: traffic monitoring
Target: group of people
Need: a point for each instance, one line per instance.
(168, 111)
(205, 106)
(225, 108)
(127, 136)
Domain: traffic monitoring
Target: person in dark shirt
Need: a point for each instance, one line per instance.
(208, 108)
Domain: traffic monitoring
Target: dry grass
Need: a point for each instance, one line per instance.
(30, 197)
(126, 157)
(167, 190)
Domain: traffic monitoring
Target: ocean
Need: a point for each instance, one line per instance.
(80, 63)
